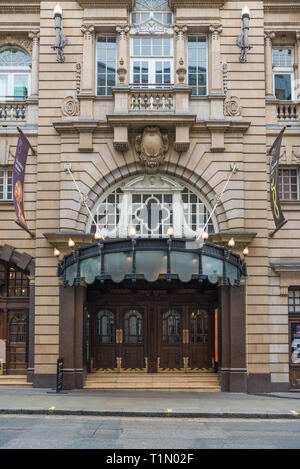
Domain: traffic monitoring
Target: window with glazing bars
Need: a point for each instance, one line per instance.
(106, 65)
(294, 301)
(197, 64)
(6, 184)
(288, 184)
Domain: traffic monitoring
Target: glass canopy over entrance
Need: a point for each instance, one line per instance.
(151, 260)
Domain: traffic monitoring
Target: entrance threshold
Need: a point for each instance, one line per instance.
(200, 382)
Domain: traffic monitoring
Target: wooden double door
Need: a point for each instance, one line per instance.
(151, 334)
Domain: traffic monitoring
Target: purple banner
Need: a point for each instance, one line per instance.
(18, 177)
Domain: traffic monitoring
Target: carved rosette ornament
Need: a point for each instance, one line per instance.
(151, 147)
(70, 107)
(232, 106)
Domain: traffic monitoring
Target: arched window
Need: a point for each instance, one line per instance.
(152, 204)
(105, 327)
(14, 74)
(18, 329)
(152, 45)
(172, 327)
(199, 327)
(133, 327)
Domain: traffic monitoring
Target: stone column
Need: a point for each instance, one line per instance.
(30, 363)
(269, 63)
(122, 56)
(34, 36)
(180, 54)
(297, 66)
(216, 83)
(233, 369)
(71, 334)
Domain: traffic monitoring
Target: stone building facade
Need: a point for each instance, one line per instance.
(150, 112)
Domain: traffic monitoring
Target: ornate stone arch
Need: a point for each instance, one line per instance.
(22, 42)
(179, 172)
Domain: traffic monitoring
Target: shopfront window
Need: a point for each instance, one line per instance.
(13, 282)
(18, 329)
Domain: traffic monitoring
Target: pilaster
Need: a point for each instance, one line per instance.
(268, 63)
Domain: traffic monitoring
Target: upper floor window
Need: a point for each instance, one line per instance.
(6, 183)
(283, 72)
(151, 48)
(151, 5)
(288, 184)
(106, 65)
(197, 64)
(14, 74)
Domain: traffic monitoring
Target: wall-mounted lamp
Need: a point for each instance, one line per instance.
(60, 40)
(132, 232)
(71, 243)
(205, 235)
(56, 252)
(170, 232)
(97, 235)
(242, 40)
(246, 251)
(231, 243)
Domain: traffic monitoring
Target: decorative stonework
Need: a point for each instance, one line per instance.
(150, 28)
(78, 77)
(87, 31)
(232, 106)
(70, 107)
(121, 71)
(151, 147)
(181, 71)
(24, 42)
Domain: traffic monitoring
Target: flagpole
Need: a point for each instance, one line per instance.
(82, 197)
(234, 168)
(25, 138)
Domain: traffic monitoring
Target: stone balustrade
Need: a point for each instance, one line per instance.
(287, 111)
(13, 110)
(151, 100)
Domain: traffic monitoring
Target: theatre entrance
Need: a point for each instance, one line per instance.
(153, 331)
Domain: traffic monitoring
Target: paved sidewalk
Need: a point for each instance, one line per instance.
(149, 403)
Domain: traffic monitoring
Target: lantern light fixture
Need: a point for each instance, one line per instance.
(231, 242)
(56, 252)
(170, 232)
(205, 235)
(60, 39)
(71, 243)
(246, 251)
(242, 40)
(97, 235)
(132, 232)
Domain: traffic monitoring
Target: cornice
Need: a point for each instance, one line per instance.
(196, 3)
(282, 5)
(20, 6)
(106, 3)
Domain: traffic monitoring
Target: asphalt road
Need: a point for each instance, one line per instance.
(53, 432)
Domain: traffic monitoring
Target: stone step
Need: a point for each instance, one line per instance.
(200, 381)
(19, 381)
